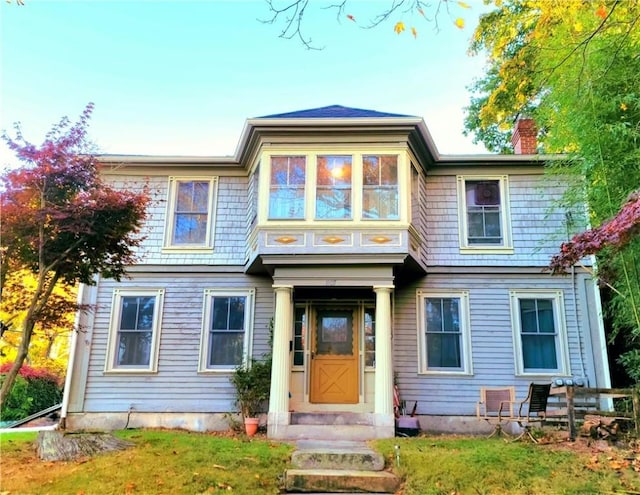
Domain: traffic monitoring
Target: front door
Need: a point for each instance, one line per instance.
(334, 357)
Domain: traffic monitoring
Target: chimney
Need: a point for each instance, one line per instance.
(524, 137)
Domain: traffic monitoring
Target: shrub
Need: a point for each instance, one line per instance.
(18, 404)
(35, 389)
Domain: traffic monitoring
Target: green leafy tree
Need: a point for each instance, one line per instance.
(61, 223)
(574, 67)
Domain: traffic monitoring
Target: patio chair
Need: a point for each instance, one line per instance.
(495, 407)
(533, 409)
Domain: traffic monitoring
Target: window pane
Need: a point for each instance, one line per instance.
(192, 197)
(370, 337)
(443, 333)
(333, 190)
(137, 313)
(220, 317)
(389, 174)
(297, 166)
(335, 333)
(538, 334)
(539, 352)
(134, 348)
(434, 315)
(546, 322)
(380, 187)
(286, 196)
(236, 313)
(483, 212)
(226, 348)
(334, 170)
(286, 202)
(279, 170)
(371, 170)
(443, 350)
(299, 335)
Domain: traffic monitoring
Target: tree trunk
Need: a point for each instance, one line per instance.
(40, 297)
(59, 446)
(23, 350)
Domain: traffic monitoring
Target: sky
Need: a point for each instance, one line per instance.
(181, 77)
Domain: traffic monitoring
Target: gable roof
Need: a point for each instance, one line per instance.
(332, 112)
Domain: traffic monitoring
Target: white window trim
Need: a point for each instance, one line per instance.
(170, 212)
(465, 323)
(209, 294)
(356, 154)
(507, 243)
(562, 351)
(116, 308)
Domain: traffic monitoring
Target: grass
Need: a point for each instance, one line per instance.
(481, 466)
(178, 462)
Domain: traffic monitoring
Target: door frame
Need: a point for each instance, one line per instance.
(303, 369)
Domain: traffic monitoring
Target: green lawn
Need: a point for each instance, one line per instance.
(178, 462)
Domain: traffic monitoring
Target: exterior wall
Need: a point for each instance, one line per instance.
(177, 386)
(177, 395)
(537, 229)
(230, 229)
(492, 345)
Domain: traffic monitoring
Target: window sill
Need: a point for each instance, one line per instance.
(130, 371)
(550, 373)
(187, 250)
(486, 250)
(445, 373)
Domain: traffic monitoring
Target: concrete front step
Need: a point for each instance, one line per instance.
(354, 459)
(330, 432)
(339, 418)
(340, 481)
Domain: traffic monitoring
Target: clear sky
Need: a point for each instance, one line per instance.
(181, 77)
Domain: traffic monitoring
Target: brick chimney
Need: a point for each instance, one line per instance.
(524, 137)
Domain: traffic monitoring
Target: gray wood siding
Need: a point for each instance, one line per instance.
(177, 386)
(491, 340)
(230, 229)
(537, 229)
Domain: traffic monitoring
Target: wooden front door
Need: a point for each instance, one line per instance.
(334, 357)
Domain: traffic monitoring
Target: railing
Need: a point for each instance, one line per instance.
(580, 400)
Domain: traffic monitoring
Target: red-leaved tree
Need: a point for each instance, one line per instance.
(61, 222)
(614, 233)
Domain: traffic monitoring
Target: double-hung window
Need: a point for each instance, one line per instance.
(134, 332)
(443, 332)
(380, 187)
(286, 192)
(226, 331)
(190, 213)
(333, 188)
(484, 213)
(539, 332)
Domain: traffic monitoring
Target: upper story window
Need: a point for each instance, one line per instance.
(135, 325)
(333, 188)
(226, 330)
(380, 187)
(444, 332)
(539, 332)
(190, 213)
(286, 192)
(483, 210)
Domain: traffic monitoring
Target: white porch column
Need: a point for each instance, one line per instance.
(281, 364)
(384, 360)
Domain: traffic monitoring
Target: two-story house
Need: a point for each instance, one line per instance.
(366, 256)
